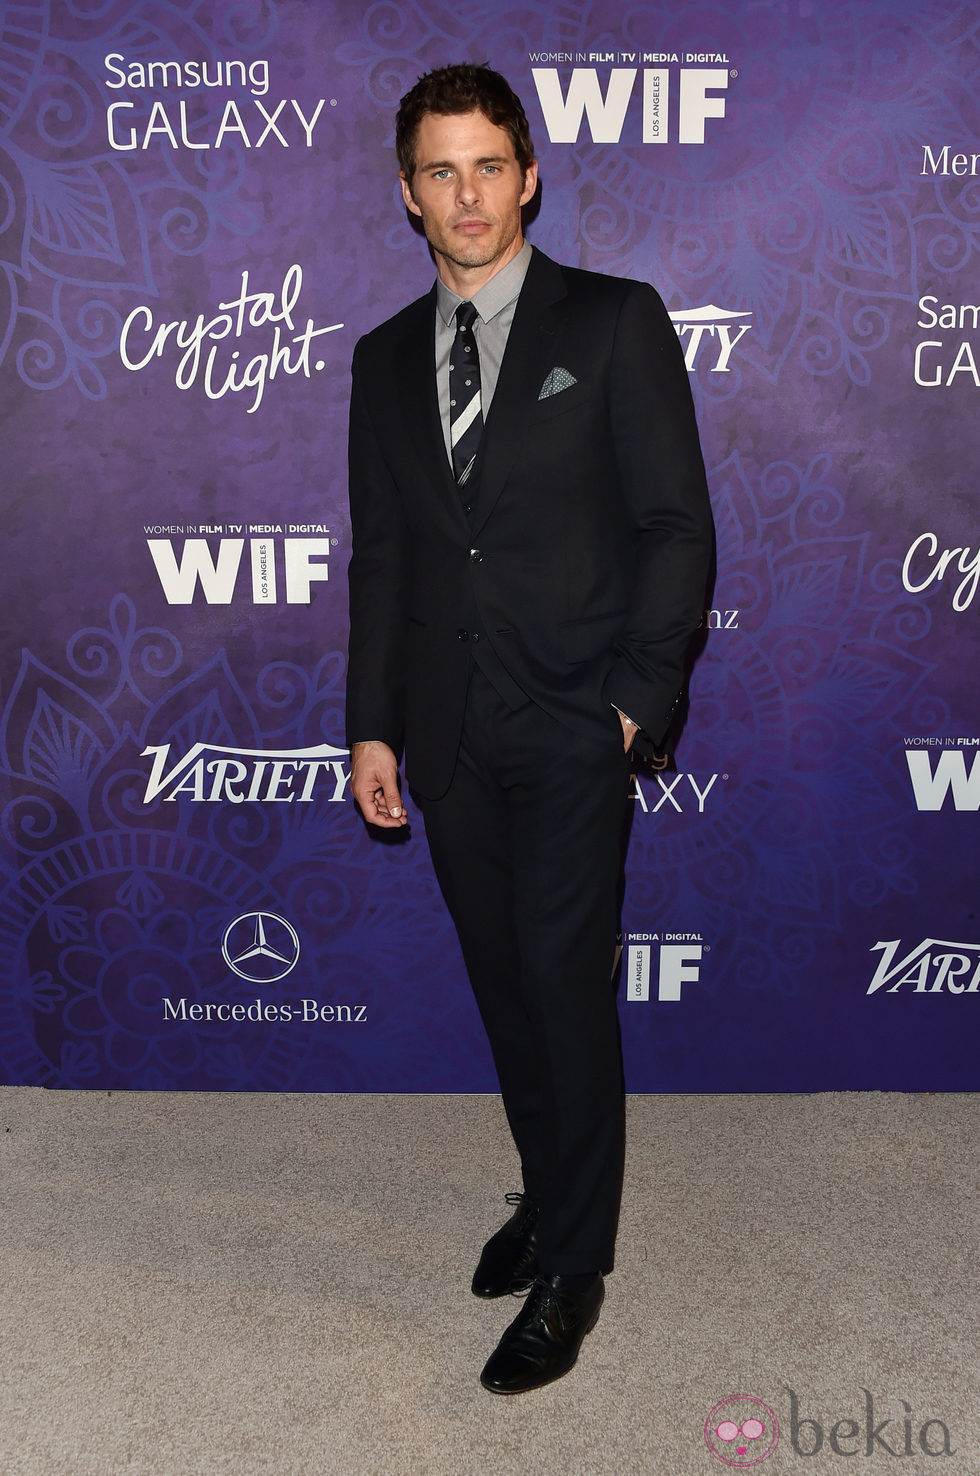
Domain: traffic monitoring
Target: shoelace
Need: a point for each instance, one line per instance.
(523, 1201)
(542, 1297)
(531, 1211)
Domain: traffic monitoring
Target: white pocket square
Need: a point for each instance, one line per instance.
(559, 379)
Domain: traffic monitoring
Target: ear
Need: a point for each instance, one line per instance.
(407, 194)
(530, 182)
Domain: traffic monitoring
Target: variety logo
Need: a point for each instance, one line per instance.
(742, 1431)
(939, 360)
(676, 961)
(261, 947)
(290, 564)
(700, 96)
(924, 565)
(237, 775)
(713, 328)
(948, 778)
(933, 966)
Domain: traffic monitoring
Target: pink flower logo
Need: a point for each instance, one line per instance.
(742, 1431)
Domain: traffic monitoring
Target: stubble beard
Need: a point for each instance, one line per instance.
(476, 253)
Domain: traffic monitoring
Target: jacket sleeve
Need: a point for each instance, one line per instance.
(378, 583)
(662, 478)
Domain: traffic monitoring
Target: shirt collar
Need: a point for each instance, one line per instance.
(503, 287)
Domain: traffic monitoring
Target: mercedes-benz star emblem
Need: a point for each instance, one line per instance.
(261, 947)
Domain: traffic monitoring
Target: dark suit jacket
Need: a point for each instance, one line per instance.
(584, 559)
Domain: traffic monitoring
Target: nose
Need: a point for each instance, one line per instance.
(468, 187)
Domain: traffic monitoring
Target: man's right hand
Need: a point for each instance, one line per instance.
(374, 784)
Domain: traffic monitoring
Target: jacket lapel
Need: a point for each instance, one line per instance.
(414, 375)
(526, 361)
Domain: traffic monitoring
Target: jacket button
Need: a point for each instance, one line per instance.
(462, 635)
(476, 556)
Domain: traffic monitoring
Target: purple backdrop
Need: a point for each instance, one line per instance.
(198, 217)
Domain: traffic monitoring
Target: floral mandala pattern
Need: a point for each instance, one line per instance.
(108, 904)
(809, 212)
(821, 669)
(86, 230)
(786, 833)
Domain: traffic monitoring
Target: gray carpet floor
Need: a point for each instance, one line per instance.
(248, 1284)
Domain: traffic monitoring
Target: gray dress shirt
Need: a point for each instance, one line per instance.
(496, 304)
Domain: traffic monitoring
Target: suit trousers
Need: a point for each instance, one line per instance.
(527, 845)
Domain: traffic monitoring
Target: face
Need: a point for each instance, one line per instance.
(467, 191)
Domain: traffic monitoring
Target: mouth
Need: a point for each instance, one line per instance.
(472, 227)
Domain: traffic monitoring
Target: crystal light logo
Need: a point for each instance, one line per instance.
(714, 329)
(285, 351)
(742, 1431)
(698, 98)
(924, 565)
(237, 775)
(672, 959)
(949, 778)
(933, 966)
(279, 568)
(260, 947)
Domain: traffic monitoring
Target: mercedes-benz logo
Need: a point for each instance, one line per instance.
(260, 947)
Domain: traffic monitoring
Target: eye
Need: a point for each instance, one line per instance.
(441, 173)
(491, 169)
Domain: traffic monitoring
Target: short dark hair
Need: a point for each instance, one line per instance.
(462, 88)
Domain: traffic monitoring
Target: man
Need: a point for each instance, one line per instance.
(531, 537)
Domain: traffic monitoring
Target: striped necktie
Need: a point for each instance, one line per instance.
(465, 407)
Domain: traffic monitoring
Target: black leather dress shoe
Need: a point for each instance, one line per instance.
(542, 1342)
(509, 1262)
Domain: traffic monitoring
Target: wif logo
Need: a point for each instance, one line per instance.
(697, 90)
(678, 962)
(290, 564)
(949, 779)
